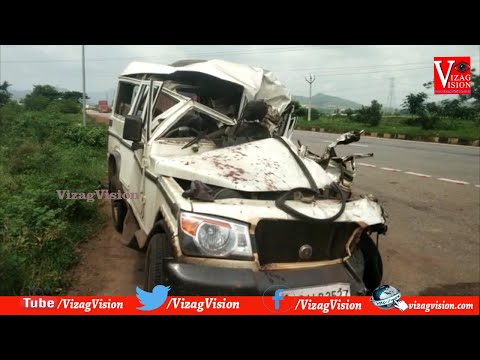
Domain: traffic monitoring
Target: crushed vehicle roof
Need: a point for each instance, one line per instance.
(257, 83)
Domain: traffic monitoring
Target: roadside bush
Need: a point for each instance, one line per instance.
(371, 115)
(36, 103)
(92, 136)
(39, 231)
(68, 106)
(428, 122)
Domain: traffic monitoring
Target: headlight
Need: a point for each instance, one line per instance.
(214, 237)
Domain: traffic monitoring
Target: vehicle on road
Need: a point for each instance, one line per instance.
(227, 204)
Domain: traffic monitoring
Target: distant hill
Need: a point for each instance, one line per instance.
(327, 102)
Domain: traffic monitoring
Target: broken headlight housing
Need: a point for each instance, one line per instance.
(210, 236)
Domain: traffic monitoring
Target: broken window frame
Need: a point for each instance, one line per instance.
(177, 114)
(122, 82)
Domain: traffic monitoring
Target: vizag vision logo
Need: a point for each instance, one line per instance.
(386, 297)
(451, 75)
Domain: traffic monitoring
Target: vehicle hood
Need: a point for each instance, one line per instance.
(257, 83)
(257, 166)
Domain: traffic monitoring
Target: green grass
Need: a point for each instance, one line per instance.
(41, 152)
(462, 129)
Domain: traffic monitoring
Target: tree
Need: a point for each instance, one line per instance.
(428, 85)
(5, 96)
(315, 113)
(452, 108)
(415, 103)
(46, 90)
(68, 106)
(475, 91)
(433, 108)
(41, 97)
(349, 112)
(299, 111)
(426, 113)
(46, 96)
(375, 113)
(74, 95)
(371, 114)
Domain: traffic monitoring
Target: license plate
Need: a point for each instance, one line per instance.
(339, 289)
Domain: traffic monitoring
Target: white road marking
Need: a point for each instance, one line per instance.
(417, 174)
(454, 181)
(390, 169)
(360, 145)
(408, 172)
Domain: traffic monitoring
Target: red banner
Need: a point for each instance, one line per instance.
(234, 305)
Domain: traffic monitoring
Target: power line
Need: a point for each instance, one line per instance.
(234, 52)
(358, 66)
(231, 52)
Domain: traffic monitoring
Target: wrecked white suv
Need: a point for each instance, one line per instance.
(226, 203)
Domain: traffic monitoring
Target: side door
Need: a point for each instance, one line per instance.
(142, 108)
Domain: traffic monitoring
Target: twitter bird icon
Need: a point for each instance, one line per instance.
(153, 300)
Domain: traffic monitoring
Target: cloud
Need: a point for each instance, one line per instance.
(356, 72)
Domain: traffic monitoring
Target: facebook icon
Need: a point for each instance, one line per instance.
(277, 298)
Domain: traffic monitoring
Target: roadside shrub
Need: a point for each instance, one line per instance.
(428, 122)
(93, 136)
(39, 231)
(68, 106)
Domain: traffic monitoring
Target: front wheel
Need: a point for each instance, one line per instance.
(157, 252)
(119, 211)
(373, 273)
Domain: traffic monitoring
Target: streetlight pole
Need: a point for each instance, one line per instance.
(83, 80)
(310, 80)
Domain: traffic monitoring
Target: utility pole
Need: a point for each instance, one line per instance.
(310, 80)
(0, 64)
(83, 80)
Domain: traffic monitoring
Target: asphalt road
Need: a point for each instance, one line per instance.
(433, 243)
(451, 162)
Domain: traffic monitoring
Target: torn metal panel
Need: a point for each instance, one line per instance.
(257, 166)
(359, 211)
(257, 83)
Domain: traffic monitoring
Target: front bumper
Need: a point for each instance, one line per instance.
(189, 279)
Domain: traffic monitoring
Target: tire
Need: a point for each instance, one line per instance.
(119, 207)
(119, 211)
(373, 272)
(157, 251)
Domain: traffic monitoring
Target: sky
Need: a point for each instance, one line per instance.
(359, 73)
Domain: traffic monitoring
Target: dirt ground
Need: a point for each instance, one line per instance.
(107, 267)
